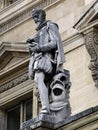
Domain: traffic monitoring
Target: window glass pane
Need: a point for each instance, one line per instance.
(28, 109)
(13, 119)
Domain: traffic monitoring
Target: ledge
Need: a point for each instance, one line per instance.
(73, 122)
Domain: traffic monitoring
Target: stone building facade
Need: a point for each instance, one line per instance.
(78, 26)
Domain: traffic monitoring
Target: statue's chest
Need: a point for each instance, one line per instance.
(44, 36)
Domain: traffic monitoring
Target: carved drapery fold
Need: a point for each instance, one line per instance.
(92, 47)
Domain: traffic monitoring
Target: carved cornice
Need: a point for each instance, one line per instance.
(13, 82)
(92, 47)
(17, 46)
(24, 15)
(88, 19)
(17, 53)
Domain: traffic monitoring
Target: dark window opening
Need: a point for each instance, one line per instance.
(19, 114)
(13, 119)
(28, 109)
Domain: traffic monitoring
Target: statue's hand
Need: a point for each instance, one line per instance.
(30, 40)
(35, 48)
(33, 44)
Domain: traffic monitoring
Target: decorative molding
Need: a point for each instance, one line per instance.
(23, 16)
(87, 17)
(14, 82)
(73, 42)
(92, 47)
(13, 47)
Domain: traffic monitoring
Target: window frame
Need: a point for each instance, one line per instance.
(22, 106)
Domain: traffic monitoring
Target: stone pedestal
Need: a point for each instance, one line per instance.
(82, 120)
(42, 122)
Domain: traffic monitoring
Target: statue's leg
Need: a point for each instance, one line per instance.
(43, 91)
(30, 69)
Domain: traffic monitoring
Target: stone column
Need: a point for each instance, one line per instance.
(91, 42)
(2, 120)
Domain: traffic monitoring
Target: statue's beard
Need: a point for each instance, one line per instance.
(38, 23)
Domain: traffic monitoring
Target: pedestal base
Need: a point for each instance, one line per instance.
(49, 122)
(42, 121)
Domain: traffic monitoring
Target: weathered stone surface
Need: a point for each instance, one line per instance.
(42, 120)
(45, 122)
(91, 40)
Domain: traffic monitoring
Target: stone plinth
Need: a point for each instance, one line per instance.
(42, 121)
(47, 122)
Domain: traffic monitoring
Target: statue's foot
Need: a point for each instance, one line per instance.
(44, 111)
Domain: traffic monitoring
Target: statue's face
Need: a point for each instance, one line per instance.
(38, 18)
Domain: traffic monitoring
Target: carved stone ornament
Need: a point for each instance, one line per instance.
(88, 26)
(13, 82)
(92, 47)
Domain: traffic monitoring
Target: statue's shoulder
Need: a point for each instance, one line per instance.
(51, 25)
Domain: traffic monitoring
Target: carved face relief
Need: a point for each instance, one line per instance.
(58, 93)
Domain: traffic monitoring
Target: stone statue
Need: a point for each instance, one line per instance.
(46, 64)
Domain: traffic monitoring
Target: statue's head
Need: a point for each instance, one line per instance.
(38, 15)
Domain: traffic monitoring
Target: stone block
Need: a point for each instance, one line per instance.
(82, 120)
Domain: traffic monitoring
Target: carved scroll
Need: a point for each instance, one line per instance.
(92, 48)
